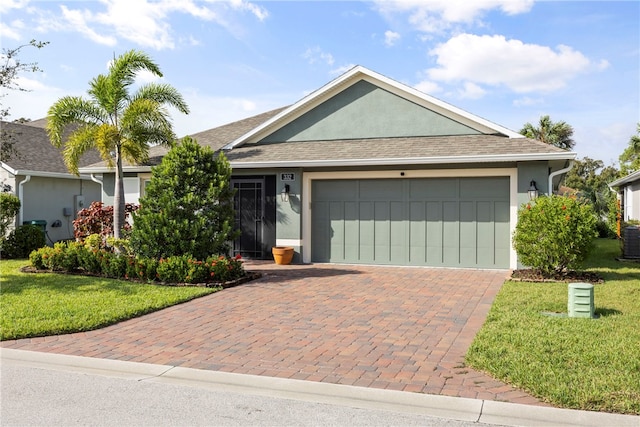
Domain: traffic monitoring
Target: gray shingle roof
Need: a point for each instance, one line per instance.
(391, 148)
(404, 149)
(35, 152)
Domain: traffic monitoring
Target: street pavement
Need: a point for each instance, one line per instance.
(44, 389)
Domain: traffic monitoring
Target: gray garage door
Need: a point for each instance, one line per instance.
(451, 222)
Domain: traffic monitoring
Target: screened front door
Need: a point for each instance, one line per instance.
(249, 208)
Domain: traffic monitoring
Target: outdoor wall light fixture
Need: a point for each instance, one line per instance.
(533, 191)
(284, 194)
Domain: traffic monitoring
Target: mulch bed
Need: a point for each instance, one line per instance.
(248, 277)
(530, 275)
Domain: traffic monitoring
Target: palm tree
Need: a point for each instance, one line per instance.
(558, 134)
(634, 141)
(114, 122)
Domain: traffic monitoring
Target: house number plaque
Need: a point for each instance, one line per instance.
(287, 177)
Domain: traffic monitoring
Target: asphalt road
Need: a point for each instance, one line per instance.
(44, 397)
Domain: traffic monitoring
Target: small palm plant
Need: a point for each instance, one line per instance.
(114, 122)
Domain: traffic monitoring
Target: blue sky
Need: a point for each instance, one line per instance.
(508, 61)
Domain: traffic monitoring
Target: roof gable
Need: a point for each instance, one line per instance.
(341, 84)
(364, 110)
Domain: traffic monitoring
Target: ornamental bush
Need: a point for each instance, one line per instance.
(79, 257)
(554, 234)
(187, 208)
(9, 208)
(22, 240)
(98, 219)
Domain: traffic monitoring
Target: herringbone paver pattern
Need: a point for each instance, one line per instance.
(385, 327)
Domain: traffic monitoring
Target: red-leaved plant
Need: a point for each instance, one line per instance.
(98, 219)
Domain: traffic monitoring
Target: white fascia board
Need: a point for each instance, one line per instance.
(624, 180)
(400, 89)
(406, 161)
(8, 168)
(42, 174)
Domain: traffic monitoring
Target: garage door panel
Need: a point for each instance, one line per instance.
(336, 214)
(417, 233)
(366, 232)
(321, 228)
(397, 226)
(381, 232)
(413, 222)
(380, 189)
(435, 233)
(468, 233)
(484, 188)
(351, 233)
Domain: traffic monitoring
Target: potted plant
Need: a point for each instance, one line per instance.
(282, 254)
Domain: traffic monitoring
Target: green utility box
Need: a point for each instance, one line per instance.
(581, 300)
(42, 224)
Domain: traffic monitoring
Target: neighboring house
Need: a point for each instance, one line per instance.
(38, 176)
(367, 170)
(628, 189)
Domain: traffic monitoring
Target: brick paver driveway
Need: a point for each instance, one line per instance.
(385, 327)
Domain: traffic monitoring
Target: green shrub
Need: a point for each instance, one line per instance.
(188, 206)
(9, 208)
(22, 241)
(179, 269)
(554, 234)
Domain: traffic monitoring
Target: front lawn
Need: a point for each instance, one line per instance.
(590, 364)
(43, 304)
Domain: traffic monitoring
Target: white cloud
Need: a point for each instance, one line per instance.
(471, 91)
(428, 87)
(391, 38)
(144, 22)
(435, 16)
(11, 30)
(208, 112)
(315, 54)
(495, 61)
(527, 101)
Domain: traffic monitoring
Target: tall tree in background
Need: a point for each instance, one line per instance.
(11, 66)
(558, 133)
(116, 123)
(630, 157)
(590, 178)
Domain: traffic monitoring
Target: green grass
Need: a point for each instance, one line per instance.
(589, 364)
(43, 304)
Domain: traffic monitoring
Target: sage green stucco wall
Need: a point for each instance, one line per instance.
(366, 111)
(536, 171)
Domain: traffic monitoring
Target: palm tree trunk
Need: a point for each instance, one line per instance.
(118, 197)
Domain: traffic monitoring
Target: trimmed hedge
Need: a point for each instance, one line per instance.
(81, 257)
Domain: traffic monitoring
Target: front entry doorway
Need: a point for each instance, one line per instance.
(254, 206)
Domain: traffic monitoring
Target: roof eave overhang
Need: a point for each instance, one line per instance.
(104, 169)
(625, 180)
(43, 174)
(440, 160)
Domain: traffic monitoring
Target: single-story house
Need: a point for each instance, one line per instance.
(628, 188)
(50, 196)
(367, 170)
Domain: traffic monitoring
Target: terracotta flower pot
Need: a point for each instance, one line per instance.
(282, 254)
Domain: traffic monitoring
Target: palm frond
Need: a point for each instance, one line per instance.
(163, 94)
(71, 110)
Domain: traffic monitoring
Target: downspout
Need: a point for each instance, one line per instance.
(21, 198)
(99, 182)
(556, 173)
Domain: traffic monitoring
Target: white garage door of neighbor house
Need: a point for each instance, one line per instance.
(445, 222)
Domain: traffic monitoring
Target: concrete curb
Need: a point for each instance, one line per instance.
(474, 410)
